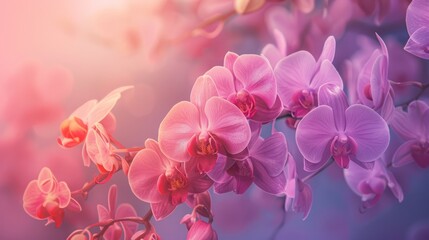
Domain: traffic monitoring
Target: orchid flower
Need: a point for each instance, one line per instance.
(198, 130)
(114, 232)
(46, 198)
(413, 127)
(417, 20)
(162, 182)
(335, 129)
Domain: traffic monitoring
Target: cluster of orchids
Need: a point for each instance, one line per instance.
(225, 137)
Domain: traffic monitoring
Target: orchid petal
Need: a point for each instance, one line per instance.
(63, 194)
(271, 154)
(268, 183)
(223, 79)
(332, 95)
(229, 60)
(162, 209)
(328, 52)
(127, 210)
(402, 155)
(46, 180)
(32, 198)
(204, 88)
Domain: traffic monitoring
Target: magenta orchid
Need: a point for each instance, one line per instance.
(248, 82)
(335, 129)
(413, 127)
(197, 131)
(124, 210)
(261, 163)
(417, 20)
(46, 198)
(164, 184)
(370, 184)
(299, 77)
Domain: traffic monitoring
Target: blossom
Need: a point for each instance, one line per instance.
(91, 123)
(111, 212)
(248, 82)
(370, 184)
(299, 77)
(413, 127)
(373, 87)
(274, 53)
(299, 197)
(46, 198)
(262, 163)
(417, 20)
(198, 130)
(335, 129)
(162, 182)
(201, 230)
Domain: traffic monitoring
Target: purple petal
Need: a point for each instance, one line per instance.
(271, 154)
(225, 187)
(268, 183)
(328, 51)
(369, 130)
(177, 128)
(264, 114)
(162, 209)
(326, 74)
(363, 80)
(223, 80)
(304, 199)
(418, 44)
(394, 186)
(275, 53)
(293, 73)
(314, 133)
(404, 125)
(312, 167)
(332, 95)
(257, 77)
(218, 173)
(204, 88)
(417, 15)
(228, 123)
(199, 183)
(402, 155)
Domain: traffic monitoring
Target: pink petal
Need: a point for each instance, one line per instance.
(417, 15)
(111, 200)
(143, 176)
(332, 95)
(228, 124)
(312, 167)
(378, 81)
(63, 194)
(177, 128)
(32, 198)
(199, 183)
(223, 79)
(328, 52)
(418, 44)
(264, 114)
(127, 210)
(294, 73)
(304, 199)
(162, 209)
(304, 6)
(204, 88)
(229, 60)
(105, 105)
(256, 75)
(46, 180)
(314, 133)
(402, 155)
(83, 111)
(369, 130)
(404, 125)
(275, 53)
(74, 205)
(326, 74)
(395, 187)
(201, 230)
(103, 213)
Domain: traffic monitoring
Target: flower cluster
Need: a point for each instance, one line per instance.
(229, 134)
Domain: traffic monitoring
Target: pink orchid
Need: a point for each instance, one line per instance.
(413, 127)
(124, 210)
(370, 184)
(335, 129)
(91, 123)
(274, 53)
(46, 198)
(299, 197)
(373, 87)
(162, 182)
(417, 20)
(201, 230)
(299, 77)
(198, 130)
(248, 82)
(378, 8)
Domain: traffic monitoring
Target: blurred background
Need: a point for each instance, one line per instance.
(56, 55)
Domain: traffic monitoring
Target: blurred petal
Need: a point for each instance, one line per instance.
(402, 155)
(418, 44)
(204, 88)
(162, 209)
(223, 79)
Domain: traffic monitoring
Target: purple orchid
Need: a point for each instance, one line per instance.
(262, 162)
(274, 53)
(373, 87)
(413, 127)
(417, 20)
(124, 210)
(335, 129)
(370, 184)
(299, 197)
(299, 77)
(248, 82)
(195, 132)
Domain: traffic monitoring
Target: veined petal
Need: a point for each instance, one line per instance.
(83, 111)
(162, 209)
(223, 80)
(32, 198)
(271, 154)
(111, 198)
(105, 105)
(369, 130)
(294, 73)
(328, 52)
(332, 95)
(46, 181)
(127, 210)
(177, 128)
(228, 124)
(229, 60)
(326, 74)
(256, 75)
(103, 213)
(417, 15)
(204, 88)
(418, 44)
(402, 155)
(315, 132)
(268, 183)
(63, 194)
(143, 176)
